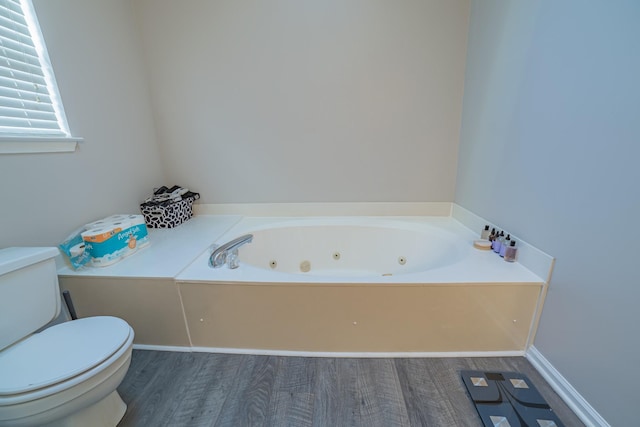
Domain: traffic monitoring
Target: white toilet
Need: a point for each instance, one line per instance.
(65, 375)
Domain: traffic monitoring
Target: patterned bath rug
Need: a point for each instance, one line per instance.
(508, 399)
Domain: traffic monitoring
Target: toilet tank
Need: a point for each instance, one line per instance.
(29, 292)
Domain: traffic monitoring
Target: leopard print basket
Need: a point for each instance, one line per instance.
(168, 216)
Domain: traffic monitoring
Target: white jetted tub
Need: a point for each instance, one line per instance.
(344, 249)
(359, 250)
(378, 285)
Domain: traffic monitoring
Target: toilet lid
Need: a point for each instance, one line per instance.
(60, 352)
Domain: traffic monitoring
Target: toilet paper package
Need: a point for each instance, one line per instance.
(110, 239)
(73, 248)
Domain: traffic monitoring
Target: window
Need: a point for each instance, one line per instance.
(31, 115)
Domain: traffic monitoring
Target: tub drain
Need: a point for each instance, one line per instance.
(336, 256)
(402, 260)
(273, 263)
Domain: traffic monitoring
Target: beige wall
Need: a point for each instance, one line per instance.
(295, 101)
(549, 150)
(95, 56)
(253, 102)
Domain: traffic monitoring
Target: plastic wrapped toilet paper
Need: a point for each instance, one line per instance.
(110, 239)
(73, 248)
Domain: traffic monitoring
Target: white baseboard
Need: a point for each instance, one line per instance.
(565, 390)
(267, 352)
(356, 354)
(162, 348)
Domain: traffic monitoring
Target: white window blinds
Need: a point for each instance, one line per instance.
(29, 101)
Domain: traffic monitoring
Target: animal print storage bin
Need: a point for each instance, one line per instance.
(167, 208)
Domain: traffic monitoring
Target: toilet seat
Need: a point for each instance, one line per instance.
(55, 359)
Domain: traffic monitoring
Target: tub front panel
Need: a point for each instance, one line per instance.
(361, 317)
(150, 306)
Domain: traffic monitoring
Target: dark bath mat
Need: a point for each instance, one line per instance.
(508, 399)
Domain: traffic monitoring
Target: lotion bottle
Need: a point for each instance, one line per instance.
(510, 252)
(497, 243)
(505, 245)
(485, 233)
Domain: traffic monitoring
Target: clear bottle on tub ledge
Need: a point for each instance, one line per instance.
(485, 233)
(492, 236)
(505, 245)
(510, 252)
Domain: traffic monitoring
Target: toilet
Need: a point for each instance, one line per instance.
(64, 375)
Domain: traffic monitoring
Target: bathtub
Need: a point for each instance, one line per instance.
(360, 286)
(358, 250)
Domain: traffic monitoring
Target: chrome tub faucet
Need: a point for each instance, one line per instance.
(228, 253)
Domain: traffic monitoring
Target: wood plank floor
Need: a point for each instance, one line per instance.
(204, 389)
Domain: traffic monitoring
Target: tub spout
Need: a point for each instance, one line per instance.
(228, 253)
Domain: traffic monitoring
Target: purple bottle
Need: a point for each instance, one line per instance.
(497, 242)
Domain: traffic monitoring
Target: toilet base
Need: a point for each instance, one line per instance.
(105, 413)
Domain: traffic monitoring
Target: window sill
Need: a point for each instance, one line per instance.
(38, 145)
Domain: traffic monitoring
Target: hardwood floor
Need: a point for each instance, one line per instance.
(204, 389)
